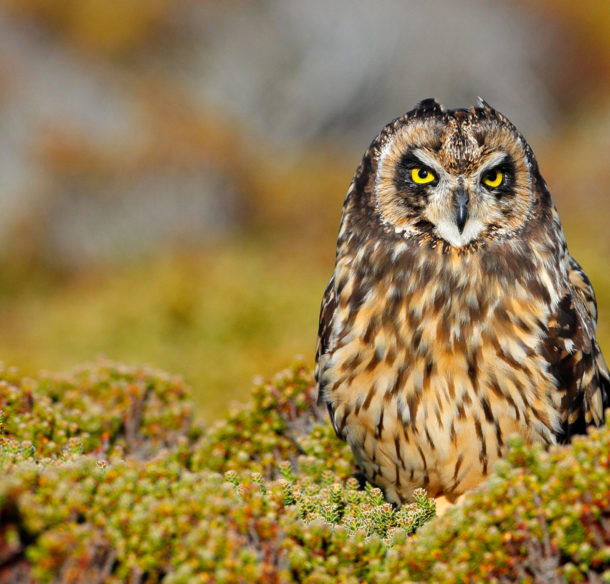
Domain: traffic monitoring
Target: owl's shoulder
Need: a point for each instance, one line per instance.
(573, 354)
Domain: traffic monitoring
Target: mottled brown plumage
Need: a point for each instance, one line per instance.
(455, 315)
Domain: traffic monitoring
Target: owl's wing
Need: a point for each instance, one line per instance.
(327, 312)
(584, 290)
(575, 358)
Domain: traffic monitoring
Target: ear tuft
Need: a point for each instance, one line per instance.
(482, 103)
(429, 105)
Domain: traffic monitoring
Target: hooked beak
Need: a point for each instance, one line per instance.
(460, 204)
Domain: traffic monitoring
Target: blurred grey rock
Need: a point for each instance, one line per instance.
(296, 71)
(75, 219)
(45, 86)
(122, 219)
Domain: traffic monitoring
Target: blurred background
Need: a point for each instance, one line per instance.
(172, 171)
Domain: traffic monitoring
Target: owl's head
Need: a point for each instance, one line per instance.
(461, 176)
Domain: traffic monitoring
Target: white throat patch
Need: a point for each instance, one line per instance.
(447, 229)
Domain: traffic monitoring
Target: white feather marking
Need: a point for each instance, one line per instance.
(447, 229)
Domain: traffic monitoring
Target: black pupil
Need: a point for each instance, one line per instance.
(492, 175)
(422, 173)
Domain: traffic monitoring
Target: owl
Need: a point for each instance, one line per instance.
(455, 316)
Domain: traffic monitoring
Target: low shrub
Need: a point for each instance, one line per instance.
(106, 478)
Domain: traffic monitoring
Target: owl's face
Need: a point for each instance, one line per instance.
(458, 175)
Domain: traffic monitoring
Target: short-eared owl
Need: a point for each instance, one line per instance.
(455, 315)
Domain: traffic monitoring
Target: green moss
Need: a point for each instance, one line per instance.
(106, 478)
(93, 410)
(281, 423)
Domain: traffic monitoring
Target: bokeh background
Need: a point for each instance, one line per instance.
(172, 171)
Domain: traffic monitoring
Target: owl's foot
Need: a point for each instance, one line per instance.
(443, 504)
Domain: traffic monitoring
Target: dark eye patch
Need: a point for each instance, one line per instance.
(507, 168)
(407, 163)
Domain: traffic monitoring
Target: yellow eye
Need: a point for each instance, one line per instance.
(421, 176)
(493, 178)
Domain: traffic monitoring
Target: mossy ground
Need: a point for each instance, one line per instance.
(107, 479)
